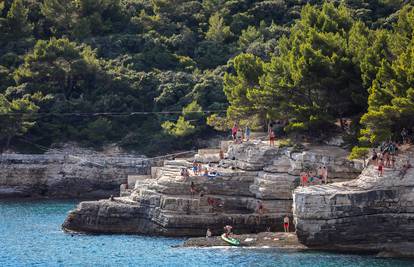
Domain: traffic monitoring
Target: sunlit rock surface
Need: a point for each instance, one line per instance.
(250, 173)
(66, 175)
(369, 213)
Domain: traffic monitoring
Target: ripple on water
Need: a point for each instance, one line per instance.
(30, 235)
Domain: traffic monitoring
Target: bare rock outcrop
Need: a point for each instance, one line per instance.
(371, 213)
(165, 205)
(64, 175)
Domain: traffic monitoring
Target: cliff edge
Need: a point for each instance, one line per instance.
(67, 174)
(370, 213)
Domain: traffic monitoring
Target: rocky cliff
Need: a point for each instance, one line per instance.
(251, 172)
(66, 175)
(370, 213)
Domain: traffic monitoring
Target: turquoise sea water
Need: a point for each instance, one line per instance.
(30, 235)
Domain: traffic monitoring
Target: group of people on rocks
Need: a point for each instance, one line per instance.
(311, 178)
(386, 157)
(239, 135)
(199, 170)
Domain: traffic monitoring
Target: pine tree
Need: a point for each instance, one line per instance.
(217, 30)
(17, 23)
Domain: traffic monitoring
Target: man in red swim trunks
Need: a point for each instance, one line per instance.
(286, 224)
(303, 178)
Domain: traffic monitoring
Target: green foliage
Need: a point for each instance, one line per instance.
(311, 81)
(304, 62)
(217, 30)
(193, 112)
(180, 128)
(359, 153)
(391, 99)
(248, 70)
(16, 24)
(15, 118)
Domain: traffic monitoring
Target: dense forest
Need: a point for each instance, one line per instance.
(156, 75)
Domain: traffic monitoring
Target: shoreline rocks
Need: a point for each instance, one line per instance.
(261, 240)
(63, 175)
(371, 213)
(164, 205)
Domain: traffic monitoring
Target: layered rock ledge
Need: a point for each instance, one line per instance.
(252, 171)
(370, 213)
(82, 174)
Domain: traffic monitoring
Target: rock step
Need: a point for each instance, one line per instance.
(177, 163)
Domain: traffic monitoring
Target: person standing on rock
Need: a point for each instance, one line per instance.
(234, 131)
(192, 189)
(380, 167)
(272, 138)
(393, 161)
(239, 136)
(325, 174)
(404, 134)
(208, 233)
(259, 208)
(374, 156)
(247, 133)
(195, 168)
(304, 178)
(286, 224)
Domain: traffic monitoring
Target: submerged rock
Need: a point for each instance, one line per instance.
(371, 213)
(164, 205)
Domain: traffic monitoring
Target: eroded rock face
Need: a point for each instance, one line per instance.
(66, 176)
(166, 206)
(370, 213)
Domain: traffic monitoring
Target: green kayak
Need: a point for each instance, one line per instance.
(230, 240)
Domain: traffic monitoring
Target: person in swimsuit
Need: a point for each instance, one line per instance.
(325, 174)
(192, 189)
(221, 154)
(247, 133)
(259, 208)
(387, 159)
(239, 136)
(393, 161)
(227, 230)
(199, 168)
(208, 233)
(234, 131)
(286, 224)
(374, 156)
(195, 168)
(272, 138)
(303, 179)
(380, 167)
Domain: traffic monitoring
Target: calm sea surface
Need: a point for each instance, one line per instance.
(30, 235)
